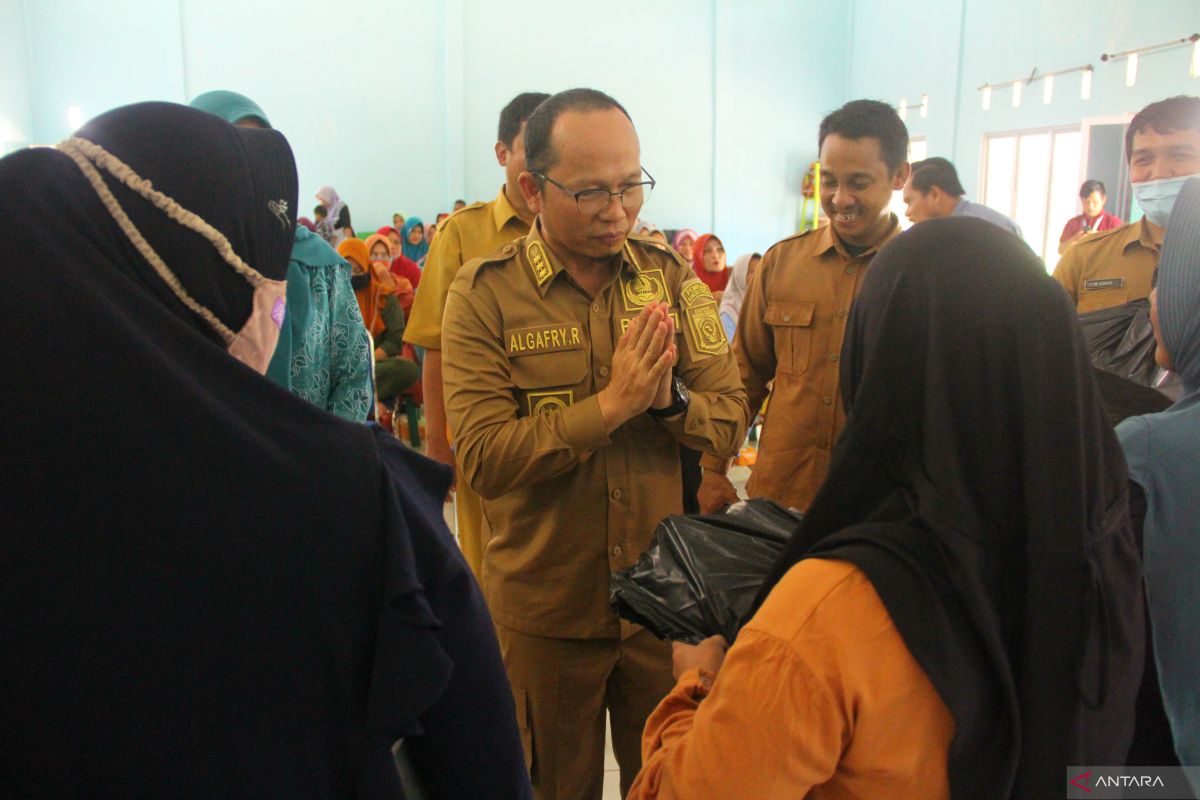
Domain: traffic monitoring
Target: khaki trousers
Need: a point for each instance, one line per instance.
(562, 688)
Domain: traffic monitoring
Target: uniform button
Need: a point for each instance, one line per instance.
(697, 424)
(595, 308)
(850, 270)
(827, 400)
(616, 494)
(833, 356)
(603, 372)
(616, 551)
(787, 317)
(840, 314)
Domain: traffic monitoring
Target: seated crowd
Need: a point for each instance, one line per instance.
(248, 587)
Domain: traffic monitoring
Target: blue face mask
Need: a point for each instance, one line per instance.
(1157, 198)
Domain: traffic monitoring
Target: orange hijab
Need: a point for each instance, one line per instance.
(371, 298)
(402, 287)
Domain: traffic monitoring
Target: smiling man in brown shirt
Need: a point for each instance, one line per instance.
(574, 362)
(792, 321)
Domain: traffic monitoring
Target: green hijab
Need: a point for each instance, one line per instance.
(230, 106)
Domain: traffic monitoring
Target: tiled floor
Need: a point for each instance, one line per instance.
(612, 777)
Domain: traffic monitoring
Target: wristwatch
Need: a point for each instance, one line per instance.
(680, 397)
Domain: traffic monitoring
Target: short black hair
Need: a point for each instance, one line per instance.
(860, 119)
(320, 211)
(516, 112)
(1088, 187)
(939, 172)
(1164, 116)
(539, 156)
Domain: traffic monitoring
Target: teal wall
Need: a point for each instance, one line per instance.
(16, 111)
(395, 102)
(949, 48)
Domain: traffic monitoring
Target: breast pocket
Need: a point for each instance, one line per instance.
(791, 324)
(548, 381)
(1097, 299)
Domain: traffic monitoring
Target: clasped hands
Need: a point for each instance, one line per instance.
(640, 376)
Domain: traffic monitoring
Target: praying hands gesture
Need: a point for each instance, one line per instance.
(641, 367)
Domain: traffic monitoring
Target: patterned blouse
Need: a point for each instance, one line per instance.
(324, 353)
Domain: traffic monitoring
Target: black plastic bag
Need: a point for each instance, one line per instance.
(701, 573)
(1121, 341)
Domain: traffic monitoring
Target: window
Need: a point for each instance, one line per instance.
(1033, 177)
(918, 150)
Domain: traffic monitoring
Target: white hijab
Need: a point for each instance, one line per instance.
(735, 292)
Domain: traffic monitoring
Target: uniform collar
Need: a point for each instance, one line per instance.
(535, 243)
(1138, 234)
(502, 210)
(830, 241)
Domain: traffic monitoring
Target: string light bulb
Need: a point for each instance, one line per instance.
(1016, 100)
(987, 98)
(1085, 85)
(903, 108)
(924, 106)
(1048, 89)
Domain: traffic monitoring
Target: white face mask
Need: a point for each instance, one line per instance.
(255, 343)
(1157, 198)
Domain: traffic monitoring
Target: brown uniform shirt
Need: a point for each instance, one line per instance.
(525, 352)
(478, 230)
(790, 330)
(1110, 268)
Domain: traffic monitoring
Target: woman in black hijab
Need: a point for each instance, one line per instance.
(979, 487)
(209, 587)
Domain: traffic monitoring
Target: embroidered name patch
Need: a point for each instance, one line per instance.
(543, 339)
(648, 286)
(549, 401)
(627, 321)
(542, 271)
(696, 292)
(1105, 283)
(707, 334)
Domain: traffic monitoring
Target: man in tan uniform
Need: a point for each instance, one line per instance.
(477, 230)
(574, 362)
(1115, 267)
(792, 321)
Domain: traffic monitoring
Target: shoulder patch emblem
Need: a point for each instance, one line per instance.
(696, 292)
(540, 402)
(542, 271)
(707, 333)
(648, 286)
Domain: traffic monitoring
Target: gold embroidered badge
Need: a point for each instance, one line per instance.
(695, 293)
(549, 401)
(707, 334)
(648, 286)
(542, 271)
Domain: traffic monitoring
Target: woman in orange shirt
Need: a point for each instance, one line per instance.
(960, 613)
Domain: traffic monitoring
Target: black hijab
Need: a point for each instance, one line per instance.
(204, 590)
(980, 487)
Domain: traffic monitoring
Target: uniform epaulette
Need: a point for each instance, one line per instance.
(655, 244)
(1102, 235)
(469, 207)
(472, 268)
(801, 234)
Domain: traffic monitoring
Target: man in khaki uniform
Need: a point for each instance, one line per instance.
(477, 230)
(574, 362)
(1115, 267)
(792, 322)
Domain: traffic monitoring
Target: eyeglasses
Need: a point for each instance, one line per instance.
(592, 201)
